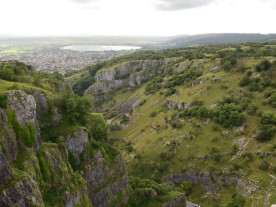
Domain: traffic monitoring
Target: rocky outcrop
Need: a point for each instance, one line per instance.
(7, 137)
(127, 74)
(173, 105)
(25, 107)
(98, 181)
(105, 181)
(76, 143)
(5, 171)
(117, 72)
(45, 110)
(24, 193)
(179, 201)
(213, 182)
(188, 64)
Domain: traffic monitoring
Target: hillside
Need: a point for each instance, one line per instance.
(55, 152)
(219, 38)
(201, 119)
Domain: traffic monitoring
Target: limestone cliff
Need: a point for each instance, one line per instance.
(128, 74)
(40, 174)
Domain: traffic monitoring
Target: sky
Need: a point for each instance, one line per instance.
(136, 17)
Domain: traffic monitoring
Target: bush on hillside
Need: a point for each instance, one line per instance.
(268, 118)
(264, 65)
(73, 107)
(228, 115)
(3, 101)
(265, 133)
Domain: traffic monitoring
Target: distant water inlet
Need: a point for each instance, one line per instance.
(100, 48)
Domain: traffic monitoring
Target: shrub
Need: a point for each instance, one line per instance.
(244, 81)
(72, 159)
(112, 202)
(89, 150)
(43, 166)
(228, 115)
(264, 165)
(264, 65)
(7, 72)
(186, 186)
(3, 101)
(176, 124)
(3, 147)
(237, 201)
(73, 107)
(115, 127)
(120, 196)
(266, 133)
(129, 148)
(241, 68)
(252, 108)
(170, 92)
(235, 148)
(153, 114)
(272, 100)
(227, 66)
(268, 118)
(26, 134)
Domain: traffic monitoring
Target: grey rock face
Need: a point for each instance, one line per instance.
(7, 137)
(209, 181)
(24, 105)
(188, 64)
(172, 105)
(41, 104)
(77, 142)
(179, 201)
(25, 108)
(5, 171)
(25, 193)
(99, 188)
(120, 76)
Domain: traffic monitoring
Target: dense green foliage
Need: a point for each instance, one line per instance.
(73, 107)
(3, 101)
(26, 134)
(72, 159)
(265, 133)
(43, 166)
(98, 128)
(237, 201)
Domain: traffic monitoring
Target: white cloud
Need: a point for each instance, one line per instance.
(84, 1)
(169, 5)
(134, 17)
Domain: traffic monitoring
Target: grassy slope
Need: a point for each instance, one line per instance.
(148, 135)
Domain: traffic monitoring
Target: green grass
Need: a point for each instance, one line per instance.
(148, 135)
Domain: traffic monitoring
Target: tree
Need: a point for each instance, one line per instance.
(265, 133)
(186, 187)
(264, 65)
(227, 66)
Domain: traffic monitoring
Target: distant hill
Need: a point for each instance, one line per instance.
(219, 38)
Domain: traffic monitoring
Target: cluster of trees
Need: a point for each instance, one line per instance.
(154, 85)
(264, 65)
(256, 84)
(271, 98)
(74, 108)
(228, 62)
(185, 76)
(98, 128)
(226, 114)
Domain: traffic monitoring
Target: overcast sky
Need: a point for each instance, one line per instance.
(136, 17)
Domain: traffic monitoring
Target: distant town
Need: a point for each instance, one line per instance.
(60, 60)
